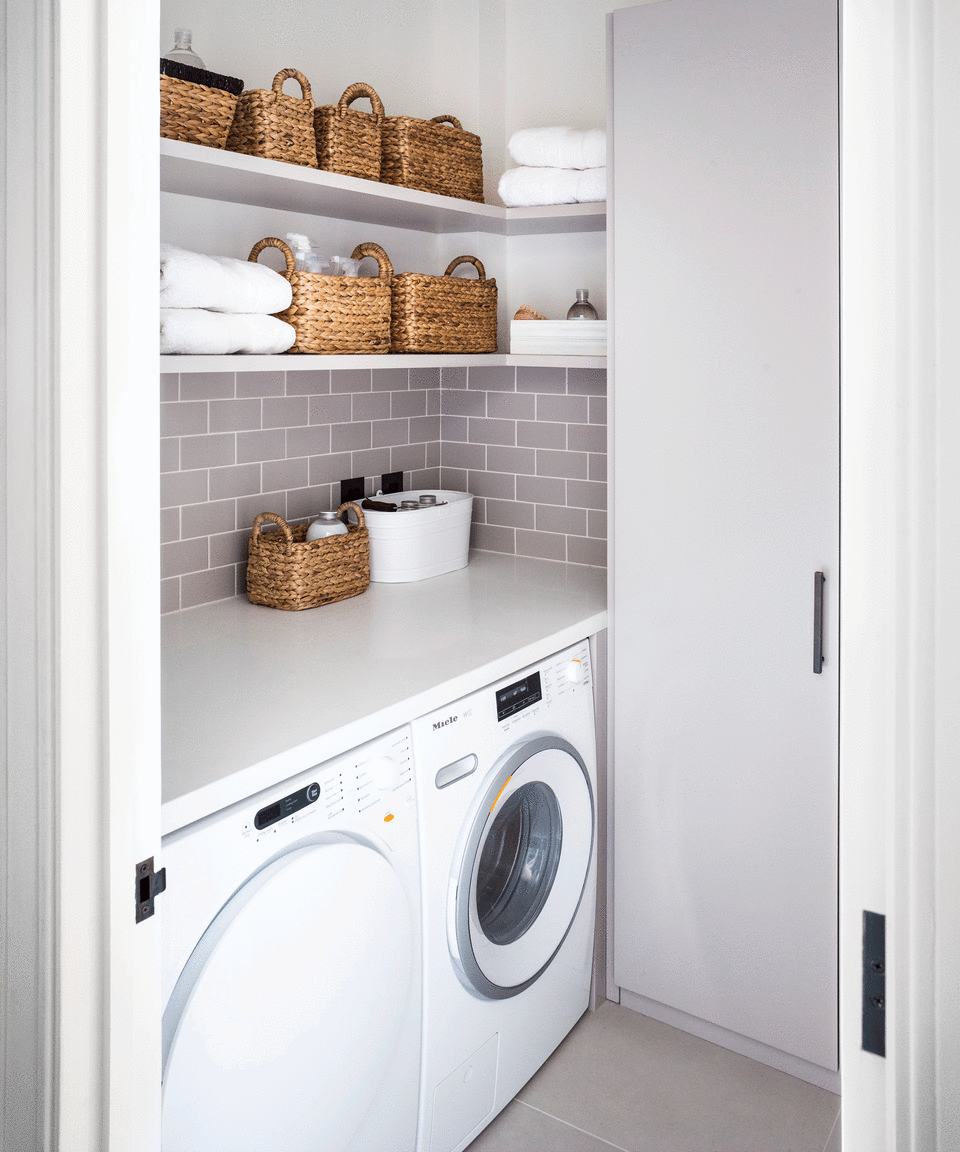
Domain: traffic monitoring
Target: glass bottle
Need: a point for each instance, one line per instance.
(582, 309)
(181, 50)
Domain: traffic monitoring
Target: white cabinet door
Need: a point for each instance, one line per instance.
(726, 503)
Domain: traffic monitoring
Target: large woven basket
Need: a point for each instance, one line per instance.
(196, 105)
(348, 140)
(285, 570)
(444, 313)
(275, 126)
(337, 314)
(433, 156)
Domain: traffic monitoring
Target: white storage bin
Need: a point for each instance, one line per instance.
(558, 337)
(423, 542)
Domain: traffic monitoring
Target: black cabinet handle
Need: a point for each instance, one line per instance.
(818, 582)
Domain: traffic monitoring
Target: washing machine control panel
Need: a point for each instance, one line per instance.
(287, 806)
(515, 697)
(546, 687)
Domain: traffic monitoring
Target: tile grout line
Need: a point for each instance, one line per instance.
(567, 1124)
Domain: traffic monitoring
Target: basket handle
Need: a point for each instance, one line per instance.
(273, 242)
(293, 74)
(354, 92)
(279, 521)
(466, 260)
(359, 511)
(374, 250)
(446, 120)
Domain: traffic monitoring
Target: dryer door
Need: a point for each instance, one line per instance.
(525, 867)
(279, 1028)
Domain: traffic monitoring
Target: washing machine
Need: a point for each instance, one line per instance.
(506, 784)
(291, 964)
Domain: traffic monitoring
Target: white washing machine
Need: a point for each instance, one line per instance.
(291, 964)
(506, 780)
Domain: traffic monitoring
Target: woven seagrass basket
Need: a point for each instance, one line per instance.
(285, 570)
(196, 105)
(348, 140)
(270, 124)
(433, 156)
(444, 313)
(337, 314)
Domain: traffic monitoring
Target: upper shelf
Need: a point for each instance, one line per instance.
(193, 170)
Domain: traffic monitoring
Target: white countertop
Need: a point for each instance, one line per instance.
(252, 695)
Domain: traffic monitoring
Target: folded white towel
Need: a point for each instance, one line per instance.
(195, 331)
(526, 187)
(559, 147)
(220, 283)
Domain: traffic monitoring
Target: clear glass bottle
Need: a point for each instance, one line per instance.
(326, 524)
(181, 50)
(582, 309)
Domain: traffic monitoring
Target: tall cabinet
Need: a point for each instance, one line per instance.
(725, 384)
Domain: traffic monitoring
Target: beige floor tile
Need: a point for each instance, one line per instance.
(522, 1129)
(644, 1086)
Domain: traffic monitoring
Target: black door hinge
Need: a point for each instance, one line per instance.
(149, 886)
(874, 1014)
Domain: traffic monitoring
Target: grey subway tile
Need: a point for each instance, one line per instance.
(391, 379)
(455, 479)
(305, 503)
(170, 595)
(586, 550)
(408, 457)
(428, 478)
(567, 409)
(350, 437)
(428, 378)
(208, 587)
(250, 507)
(453, 378)
(479, 510)
(586, 494)
(169, 525)
(545, 545)
(424, 428)
(597, 524)
(229, 548)
(373, 463)
(311, 441)
(234, 415)
(570, 521)
(433, 453)
(542, 380)
(493, 538)
(410, 403)
(330, 409)
(330, 469)
(454, 429)
(279, 475)
(503, 458)
(178, 488)
(598, 409)
(493, 378)
(170, 455)
(510, 513)
(285, 412)
(388, 433)
(183, 556)
(597, 467)
(534, 434)
(309, 383)
(511, 406)
(183, 419)
(255, 446)
(587, 437)
(371, 405)
(434, 398)
(496, 485)
(206, 519)
(463, 403)
(457, 454)
(207, 451)
(541, 490)
(485, 431)
(587, 381)
(261, 384)
(572, 465)
(169, 387)
(351, 380)
(207, 385)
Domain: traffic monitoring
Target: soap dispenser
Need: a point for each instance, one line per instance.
(582, 309)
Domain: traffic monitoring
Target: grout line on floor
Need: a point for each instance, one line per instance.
(567, 1124)
(833, 1128)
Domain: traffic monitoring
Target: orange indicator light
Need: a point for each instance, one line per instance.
(388, 817)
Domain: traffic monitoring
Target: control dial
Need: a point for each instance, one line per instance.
(385, 773)
(575, 672)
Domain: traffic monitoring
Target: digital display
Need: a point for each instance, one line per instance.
(287, 806)
(515, 697)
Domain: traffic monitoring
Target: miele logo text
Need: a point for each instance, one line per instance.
(444, 723)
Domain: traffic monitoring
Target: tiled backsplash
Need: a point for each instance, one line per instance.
(529, 443)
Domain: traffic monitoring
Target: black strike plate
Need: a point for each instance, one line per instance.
(874, 1034)
(351, 490)
(391, 482)
(149, 886)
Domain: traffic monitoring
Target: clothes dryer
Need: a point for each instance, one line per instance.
(506, 788)
(291, 964)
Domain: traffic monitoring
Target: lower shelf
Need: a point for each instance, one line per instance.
(313, 363)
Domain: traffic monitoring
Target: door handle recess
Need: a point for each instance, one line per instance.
(818, 581)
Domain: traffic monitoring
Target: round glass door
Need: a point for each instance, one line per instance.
(525, 867)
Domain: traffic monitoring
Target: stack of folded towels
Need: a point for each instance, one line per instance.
(214, 305)
(558, 166)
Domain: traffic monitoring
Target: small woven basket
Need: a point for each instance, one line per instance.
(196, 105)
(285, 570)
(275, 126)
(444, 313)
(433, 156)
(337, 314)
(348, 140)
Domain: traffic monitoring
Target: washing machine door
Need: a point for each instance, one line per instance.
(525, 867)
(280, 1026)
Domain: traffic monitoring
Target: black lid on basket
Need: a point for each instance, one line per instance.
(179, 71)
